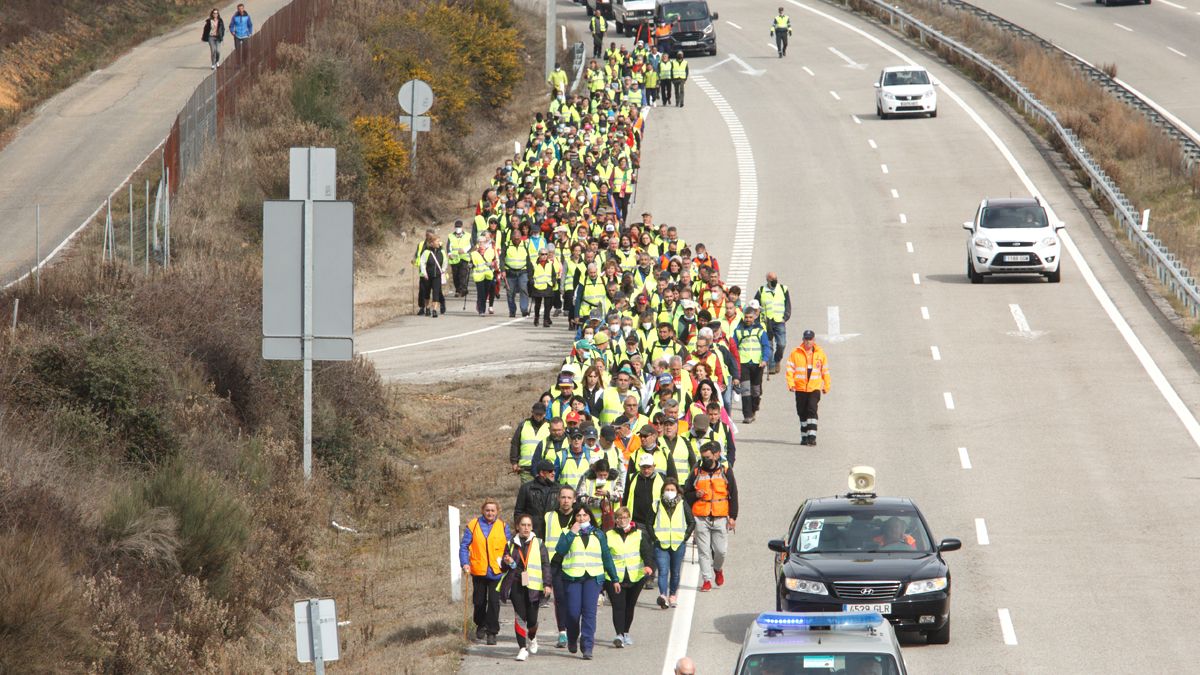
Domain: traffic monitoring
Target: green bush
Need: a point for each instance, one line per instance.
(315, 94)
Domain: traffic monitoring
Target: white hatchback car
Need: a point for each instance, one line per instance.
(1013, 236)
(905, 90)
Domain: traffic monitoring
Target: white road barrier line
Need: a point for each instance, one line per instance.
(1176, 51)
(937, 353)
(1085, 270)
(916, 279)
(1019, 317)
(903, 219)
(1122, 26)
(834, 94)
(808, 70)
(964, 458)
(895, 193)
(925, 313)
(681, 619)
(856, 120)
(908, 246)
(981, 532)
(734, 25)
(444, 337)
(883, 167)
(949, 400)
(1073, 9)
(871, 142)
(1006, 627)
(1171, 4)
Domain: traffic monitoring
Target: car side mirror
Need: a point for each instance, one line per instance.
(969, 226)
(1060, 226)
(876, 85)
(948, 545)
(777, 545)
(714, 16)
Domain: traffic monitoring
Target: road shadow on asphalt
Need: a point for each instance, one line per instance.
(734, 626)
(768, 441)
(1002, 279)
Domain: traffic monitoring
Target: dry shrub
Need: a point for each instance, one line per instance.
(43, 621)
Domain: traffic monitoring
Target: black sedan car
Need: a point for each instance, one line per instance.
(859, 552)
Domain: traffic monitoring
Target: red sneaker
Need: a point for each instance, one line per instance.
(706, 587)
(720, 578)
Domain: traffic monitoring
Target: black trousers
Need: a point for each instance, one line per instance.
(664, 90)
(568, 304)
(623, 604)
(461, 272)
(679, 92)
(651, 95)
(430, 293)
(806, 409)
(526, 610)
(486, 600)
(483, 292)
(781, 38)
(597, 46)
(544, 305)
(752, 375)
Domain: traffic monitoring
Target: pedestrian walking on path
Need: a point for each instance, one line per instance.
(754, 353)
(712, 493)
(679, 76)
(671, 526)
(480, 553)
(241, 26)
(586, 565)
(433, 274)
(781, 28)
(523, 583)
(483, 273)
(633, 556)
(214, 33)
(808, 377)
(556, 523)
(458, 253)
(598, 26)
(776, 304)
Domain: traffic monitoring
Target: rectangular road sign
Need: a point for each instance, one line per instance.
(421, 122)
(327, 634)
(322, 162)
(333, 280)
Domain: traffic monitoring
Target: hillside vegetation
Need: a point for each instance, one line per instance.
(47, 45)
(152, 514)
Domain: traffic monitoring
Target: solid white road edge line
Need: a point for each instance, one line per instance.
(1122, 26)
(1085, 270)
(444, 337)
(1171, 4)
(949, 400)
(981, 532)
(964, 458)
(1006, 627)
(1176, 51)
(681, 621)
(1073, 9)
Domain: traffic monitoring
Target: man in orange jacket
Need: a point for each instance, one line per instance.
(808, 377)
(479, 553)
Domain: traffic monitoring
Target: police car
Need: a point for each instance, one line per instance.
(779, 643)
(862, 552)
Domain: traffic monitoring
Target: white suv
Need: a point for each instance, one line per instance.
(905, 90)
(1013, 236)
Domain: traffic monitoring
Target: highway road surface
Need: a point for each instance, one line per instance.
(1051, 427)
(83, 143)
(1154, 46)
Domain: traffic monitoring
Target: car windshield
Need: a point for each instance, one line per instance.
(685, 11)
(900, 78)
(859, 530)
(823, 663)
(999, 217)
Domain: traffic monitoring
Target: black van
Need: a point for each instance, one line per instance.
(693, 27)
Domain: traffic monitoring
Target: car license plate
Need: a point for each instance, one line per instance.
(688, 43)
(882, 608)
(1017, 258)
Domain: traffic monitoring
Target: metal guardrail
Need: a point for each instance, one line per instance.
(1169, 268)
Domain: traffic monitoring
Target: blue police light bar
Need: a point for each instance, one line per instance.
(809, 620)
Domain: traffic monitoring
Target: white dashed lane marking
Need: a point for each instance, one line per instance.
(964, 458)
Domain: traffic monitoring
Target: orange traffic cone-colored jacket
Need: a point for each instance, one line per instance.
(808, 371)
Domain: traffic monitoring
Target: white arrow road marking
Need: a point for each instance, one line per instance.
(746, 69)
(718, 64)
(835, 327)
(850, 63)
(1023, 331)
(746, 66)
(734, 25)
(1006, 627)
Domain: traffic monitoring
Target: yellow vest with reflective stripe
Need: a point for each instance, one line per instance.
(613, 405)
(553, 531)
(782, 22)
(543, 275)
(749, 342)
(773, 302)
(584, 559)
(573, 469)
(627, 554)
(594, 292)
(679, 71)
(669, 529)
(530, 440)
(516, 256)
(481, 265)
(533, 566)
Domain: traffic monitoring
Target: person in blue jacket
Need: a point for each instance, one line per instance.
(586, 565)
(241, 26)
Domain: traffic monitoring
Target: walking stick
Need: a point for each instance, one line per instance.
(466, 625)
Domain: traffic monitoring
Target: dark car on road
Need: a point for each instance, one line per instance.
(693, 27)
(863, 553)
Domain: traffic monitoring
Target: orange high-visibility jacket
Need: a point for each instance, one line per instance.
(486, 552)
(808, 371)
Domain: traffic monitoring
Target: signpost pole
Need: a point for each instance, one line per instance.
(412, 127)
(314, 631)
(307, 336)
(551, 21)
(38, 236)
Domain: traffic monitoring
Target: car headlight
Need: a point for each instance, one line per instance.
(889, 96)
(1050, 241)
(926, 586)
(708, 29)
(984, 243)
(806, 586)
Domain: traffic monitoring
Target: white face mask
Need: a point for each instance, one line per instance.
(670, 494)
(647, 326)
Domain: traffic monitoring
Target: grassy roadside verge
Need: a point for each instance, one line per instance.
(152, 516)
(48, 45)
(1143, 161)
